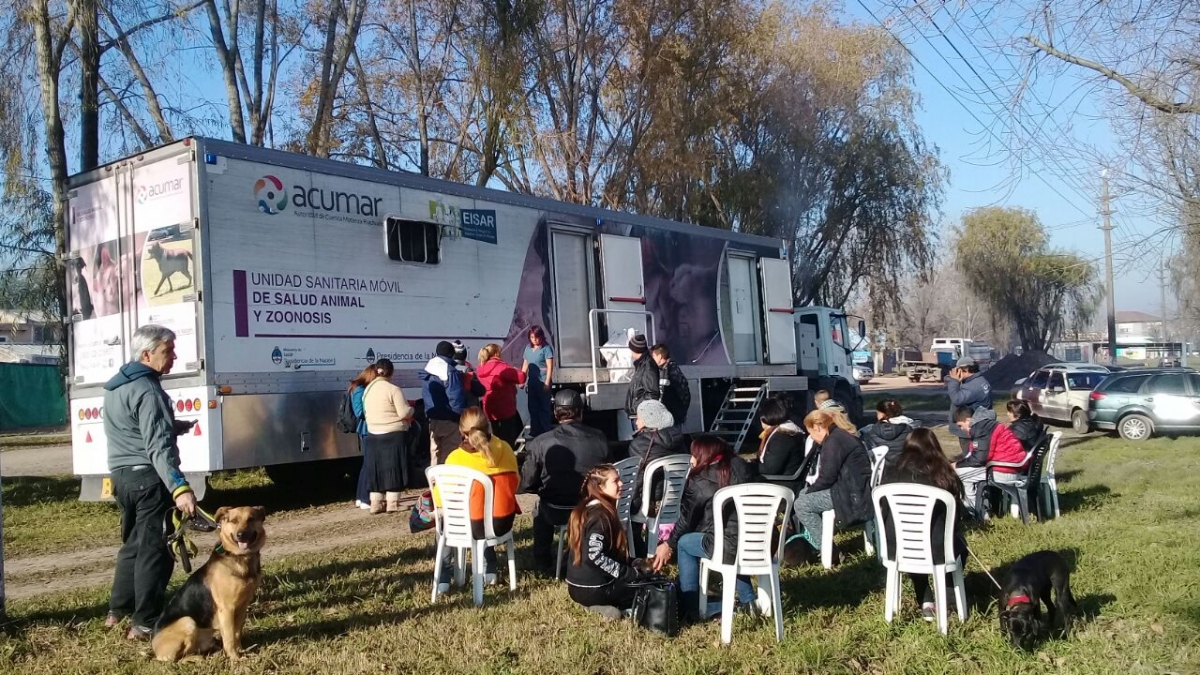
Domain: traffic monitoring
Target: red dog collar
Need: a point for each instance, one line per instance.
(1018, 600)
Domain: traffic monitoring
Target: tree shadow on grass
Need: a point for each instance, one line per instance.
(30, 490)
(1090, 497)
(845, 586)
(1066, 476)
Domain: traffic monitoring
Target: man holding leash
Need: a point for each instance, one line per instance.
(143, 459)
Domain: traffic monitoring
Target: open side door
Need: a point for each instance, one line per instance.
(777, 308)
(623, 286)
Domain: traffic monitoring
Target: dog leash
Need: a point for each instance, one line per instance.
(175, 527)
(985, 569)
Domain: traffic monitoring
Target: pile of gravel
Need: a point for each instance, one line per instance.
(1004, 373)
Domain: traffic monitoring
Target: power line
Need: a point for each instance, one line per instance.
(1065, 173)
(964, 106)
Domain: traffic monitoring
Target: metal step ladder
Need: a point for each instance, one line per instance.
(738, 410)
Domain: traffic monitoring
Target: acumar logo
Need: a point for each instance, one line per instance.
(271, 196)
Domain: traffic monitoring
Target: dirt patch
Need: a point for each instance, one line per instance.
(294, 532)
(1004, 373)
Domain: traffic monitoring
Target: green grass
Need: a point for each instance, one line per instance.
(43, 514)
(9, 441)
(1129, 527)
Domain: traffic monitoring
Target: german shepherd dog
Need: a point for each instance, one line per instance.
(216, 597)
(1028, 587)
(169, 262)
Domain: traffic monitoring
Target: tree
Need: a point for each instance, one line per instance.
(1005, 260)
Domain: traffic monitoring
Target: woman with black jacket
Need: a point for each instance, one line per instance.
(922, 462)
(714, 466)
(1026, 426)
(600, 569)
(781, 448)
(843, 479)
(891, 429)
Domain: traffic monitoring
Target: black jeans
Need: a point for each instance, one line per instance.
(614, 594)
(144, 564)
(545, 520)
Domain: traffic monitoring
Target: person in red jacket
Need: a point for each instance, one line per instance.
(985, 440)
(500, 400)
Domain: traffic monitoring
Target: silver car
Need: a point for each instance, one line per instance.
(1060, 392)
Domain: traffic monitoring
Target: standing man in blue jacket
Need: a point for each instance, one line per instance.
(967, 389)
(445, 400)
(143, 458)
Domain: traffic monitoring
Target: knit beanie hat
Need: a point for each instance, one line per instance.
(444, 349)
(460, 350)
(638, 345)
(655, 415)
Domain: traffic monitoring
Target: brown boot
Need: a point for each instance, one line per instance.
(377, 503)
(393, 502)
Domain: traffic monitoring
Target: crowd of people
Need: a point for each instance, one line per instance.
(472, 421)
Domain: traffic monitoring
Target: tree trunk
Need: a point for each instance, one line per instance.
(49, 63)
(237, 124)
(89, 85)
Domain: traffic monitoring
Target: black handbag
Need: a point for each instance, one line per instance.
(656, 605)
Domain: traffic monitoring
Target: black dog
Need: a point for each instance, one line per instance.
(1029, 584)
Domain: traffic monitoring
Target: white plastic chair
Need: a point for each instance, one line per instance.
(453, 519)
(674, 469)
(627, 470)
(910, 510)
(757, 506)
(877, 454)
(1049, 485)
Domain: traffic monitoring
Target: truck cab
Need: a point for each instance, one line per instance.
(825, 354)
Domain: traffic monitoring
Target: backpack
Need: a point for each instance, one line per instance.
(347, 421)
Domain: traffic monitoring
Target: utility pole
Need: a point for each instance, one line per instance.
(1106, 227)
(1162, 288)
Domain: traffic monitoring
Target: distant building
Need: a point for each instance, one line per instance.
(29, 338)
(1134, 325)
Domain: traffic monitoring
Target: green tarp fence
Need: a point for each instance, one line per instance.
(31, 396)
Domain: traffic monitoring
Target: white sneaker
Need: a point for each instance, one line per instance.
(443, 589)
(364, 507)
(358, 503)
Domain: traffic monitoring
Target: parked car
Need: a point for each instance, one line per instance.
(168, 233)
(1059, 392)
(863, 373)
(1139, 403)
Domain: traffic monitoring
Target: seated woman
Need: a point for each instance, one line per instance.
(1026, 426)
(922, 461)
(599, 577)
(781, 448)
(714, 466)
(487, 453)
(891, 429)
(843, 479)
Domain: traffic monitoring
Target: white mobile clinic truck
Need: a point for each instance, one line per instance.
(284, 275)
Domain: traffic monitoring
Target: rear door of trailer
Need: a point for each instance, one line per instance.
(135, 259)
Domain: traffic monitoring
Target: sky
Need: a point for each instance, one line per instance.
(973, 129)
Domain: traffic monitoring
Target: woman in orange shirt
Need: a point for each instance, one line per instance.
(487, 453)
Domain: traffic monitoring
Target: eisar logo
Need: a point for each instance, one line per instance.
(276, 356)
(272, 199)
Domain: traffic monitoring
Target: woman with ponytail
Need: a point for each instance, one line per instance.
(500, 381)
(599, 569)
(714, 466)
(489, 454)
